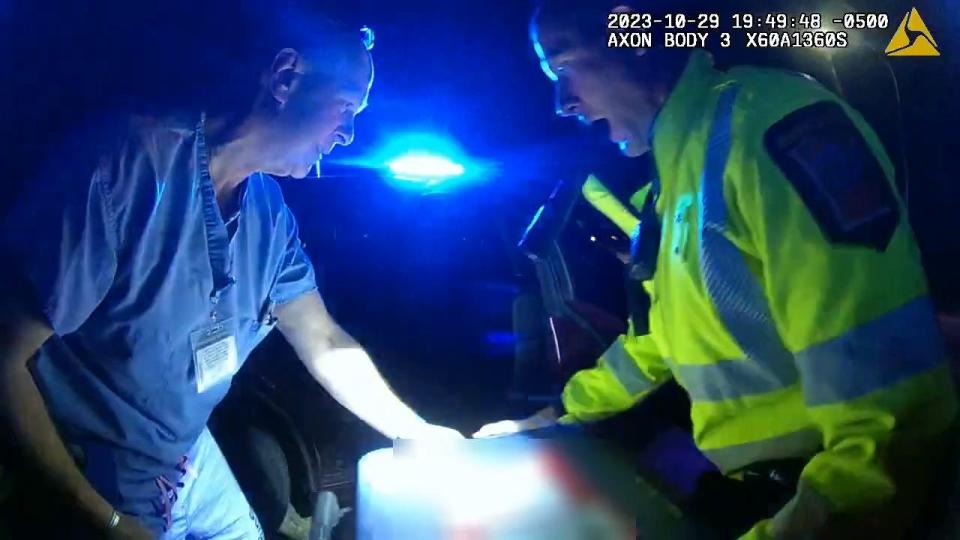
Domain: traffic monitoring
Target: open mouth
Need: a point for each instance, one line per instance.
(601, 128)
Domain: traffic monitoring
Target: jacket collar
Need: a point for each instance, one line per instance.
(687, 102)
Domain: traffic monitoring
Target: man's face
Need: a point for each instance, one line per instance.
(592, 84)
(318, 114)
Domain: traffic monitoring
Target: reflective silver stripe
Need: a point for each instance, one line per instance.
(735, 292)
(626, 370)
(803, 443)
(895, 346)
(731, 379)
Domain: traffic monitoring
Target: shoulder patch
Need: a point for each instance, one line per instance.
(826, 159)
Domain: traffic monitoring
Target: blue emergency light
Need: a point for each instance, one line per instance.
(423, 162)
(424, 167)
(428, 163)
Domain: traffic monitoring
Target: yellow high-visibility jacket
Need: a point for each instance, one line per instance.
(793, 338)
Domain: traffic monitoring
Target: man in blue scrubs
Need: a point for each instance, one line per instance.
(148, 278)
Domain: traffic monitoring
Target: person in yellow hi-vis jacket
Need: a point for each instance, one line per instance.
(787, 293)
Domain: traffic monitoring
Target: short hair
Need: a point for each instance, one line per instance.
(586, 20)
(319, 30)
(584, 23)
(271, 25)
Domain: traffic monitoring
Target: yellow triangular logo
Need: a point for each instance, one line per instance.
(912, 38)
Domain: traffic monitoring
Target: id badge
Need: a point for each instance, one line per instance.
(215, 356)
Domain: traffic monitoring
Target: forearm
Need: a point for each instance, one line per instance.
(344, 369)
(881, 454)
(626, 373)
(592, 395)
(25, 421)
(350, 376)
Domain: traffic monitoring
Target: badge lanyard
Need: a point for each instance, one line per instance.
(215, 356)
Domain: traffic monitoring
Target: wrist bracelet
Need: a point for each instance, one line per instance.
(114, 520)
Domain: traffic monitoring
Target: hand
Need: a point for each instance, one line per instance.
(431, 432)
(542, 419)
(423, 440)
(802, 518)
(129, 529)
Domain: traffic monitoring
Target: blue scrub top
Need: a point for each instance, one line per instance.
(126, 263)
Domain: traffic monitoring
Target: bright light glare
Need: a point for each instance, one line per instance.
(424, 162)
(456, 487)
(424, 167)
(513, 489)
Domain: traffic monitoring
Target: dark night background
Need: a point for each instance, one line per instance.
(426, 282)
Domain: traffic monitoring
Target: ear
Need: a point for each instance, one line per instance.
(285, 71)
